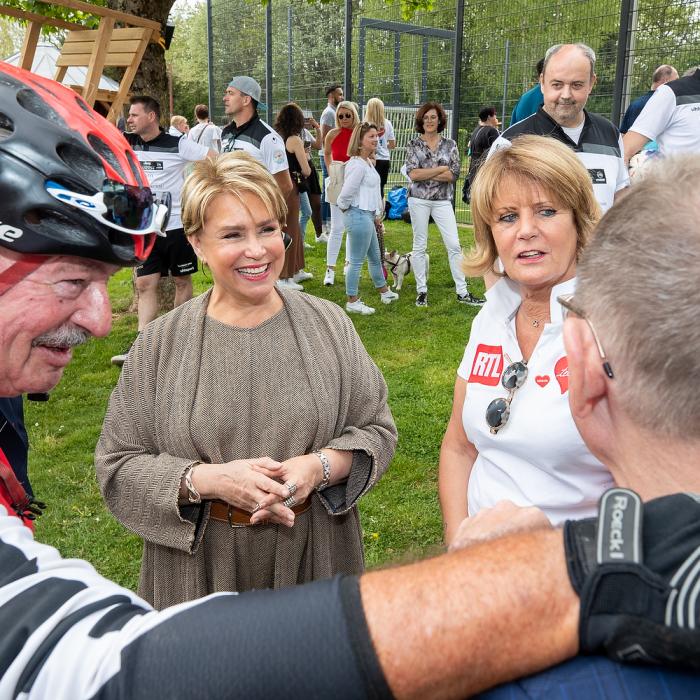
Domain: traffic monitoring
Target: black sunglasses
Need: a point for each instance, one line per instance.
(498, 411)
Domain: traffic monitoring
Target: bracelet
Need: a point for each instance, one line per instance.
(192, 493)
(326, 470)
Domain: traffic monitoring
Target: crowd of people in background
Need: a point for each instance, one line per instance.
(240, 476)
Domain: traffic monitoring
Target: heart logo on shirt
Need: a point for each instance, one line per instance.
(542, 379)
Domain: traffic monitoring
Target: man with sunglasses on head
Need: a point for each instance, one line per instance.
(446, 627)
(164, 157)
(247, 132)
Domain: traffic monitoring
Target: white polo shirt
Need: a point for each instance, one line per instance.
(671, 117)
(165, 159)
(538, 458)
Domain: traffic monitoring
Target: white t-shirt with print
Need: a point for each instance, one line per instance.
(382, 142)
(538, 458)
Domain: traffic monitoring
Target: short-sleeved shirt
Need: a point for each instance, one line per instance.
(672, 116)
(327, 118)
(420, 155)
(165, 159)
(258, 139)
(633, 111)
(538, 458)
(599, 148)
(206, 134)
(383, 141)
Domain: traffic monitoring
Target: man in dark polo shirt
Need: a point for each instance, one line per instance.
(567, 79)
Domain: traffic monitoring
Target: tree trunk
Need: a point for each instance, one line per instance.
(151, 78)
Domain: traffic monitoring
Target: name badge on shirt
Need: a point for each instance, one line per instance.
(487, 366)
(598, 176)
(152, 165)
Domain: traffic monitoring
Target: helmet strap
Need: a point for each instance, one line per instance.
(20, 269)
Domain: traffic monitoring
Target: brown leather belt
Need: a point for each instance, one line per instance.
(237, 517)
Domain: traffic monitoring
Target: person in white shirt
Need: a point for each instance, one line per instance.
(387, 139)
(361, 203)
(178, 126)
(511, 434)
(205, 132)
(671, 118)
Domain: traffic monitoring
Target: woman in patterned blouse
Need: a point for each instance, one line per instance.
(432, 164)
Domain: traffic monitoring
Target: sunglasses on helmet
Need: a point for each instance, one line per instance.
(126, 208)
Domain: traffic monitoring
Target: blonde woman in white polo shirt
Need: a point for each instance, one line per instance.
(511, 434)
(360, 200)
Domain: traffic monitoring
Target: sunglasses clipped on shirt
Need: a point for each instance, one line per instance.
(498, 411)
(126, 208)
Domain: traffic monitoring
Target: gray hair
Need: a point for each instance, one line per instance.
(638, 283)
(690, 71)
(586, 50)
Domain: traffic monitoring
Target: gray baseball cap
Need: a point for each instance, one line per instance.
(248, 86)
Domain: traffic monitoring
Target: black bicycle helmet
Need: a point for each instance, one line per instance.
(69, 182)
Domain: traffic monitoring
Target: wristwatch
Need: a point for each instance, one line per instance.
(326, 470)
(192, 493)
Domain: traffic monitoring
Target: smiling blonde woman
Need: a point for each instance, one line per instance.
(247, 424)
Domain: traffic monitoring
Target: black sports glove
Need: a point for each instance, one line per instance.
(636, 569)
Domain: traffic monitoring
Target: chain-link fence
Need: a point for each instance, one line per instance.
(295, 48)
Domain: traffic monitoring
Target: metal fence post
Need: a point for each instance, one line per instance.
(457, 70)
(506, 72)
(347, 73)
(289, 54)
(210, 61)
(268, 59)
(623, 39)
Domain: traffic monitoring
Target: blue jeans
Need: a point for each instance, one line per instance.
(325, 207)
(305, 209)
(362, 243)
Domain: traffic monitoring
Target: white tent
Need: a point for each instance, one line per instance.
(45, 65)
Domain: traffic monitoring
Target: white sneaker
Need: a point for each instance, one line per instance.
(289, 283)
(357, 307)
(323, 238)
(329, 279)
(388, 296)
(302, 276)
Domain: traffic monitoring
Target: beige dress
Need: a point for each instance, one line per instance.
(195, 388)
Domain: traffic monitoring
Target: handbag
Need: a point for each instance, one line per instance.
(334, 183)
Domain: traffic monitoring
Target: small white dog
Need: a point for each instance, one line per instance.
(400, 266)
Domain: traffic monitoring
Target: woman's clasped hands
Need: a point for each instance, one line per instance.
(262, 486)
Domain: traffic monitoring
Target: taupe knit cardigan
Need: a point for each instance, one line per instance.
(145, 447)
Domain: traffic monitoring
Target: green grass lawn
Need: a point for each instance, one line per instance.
(417, 349)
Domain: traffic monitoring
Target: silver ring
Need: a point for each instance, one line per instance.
(290, 502)
(292, 488)
(256, 509)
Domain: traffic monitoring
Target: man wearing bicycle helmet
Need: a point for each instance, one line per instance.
(73, 208)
